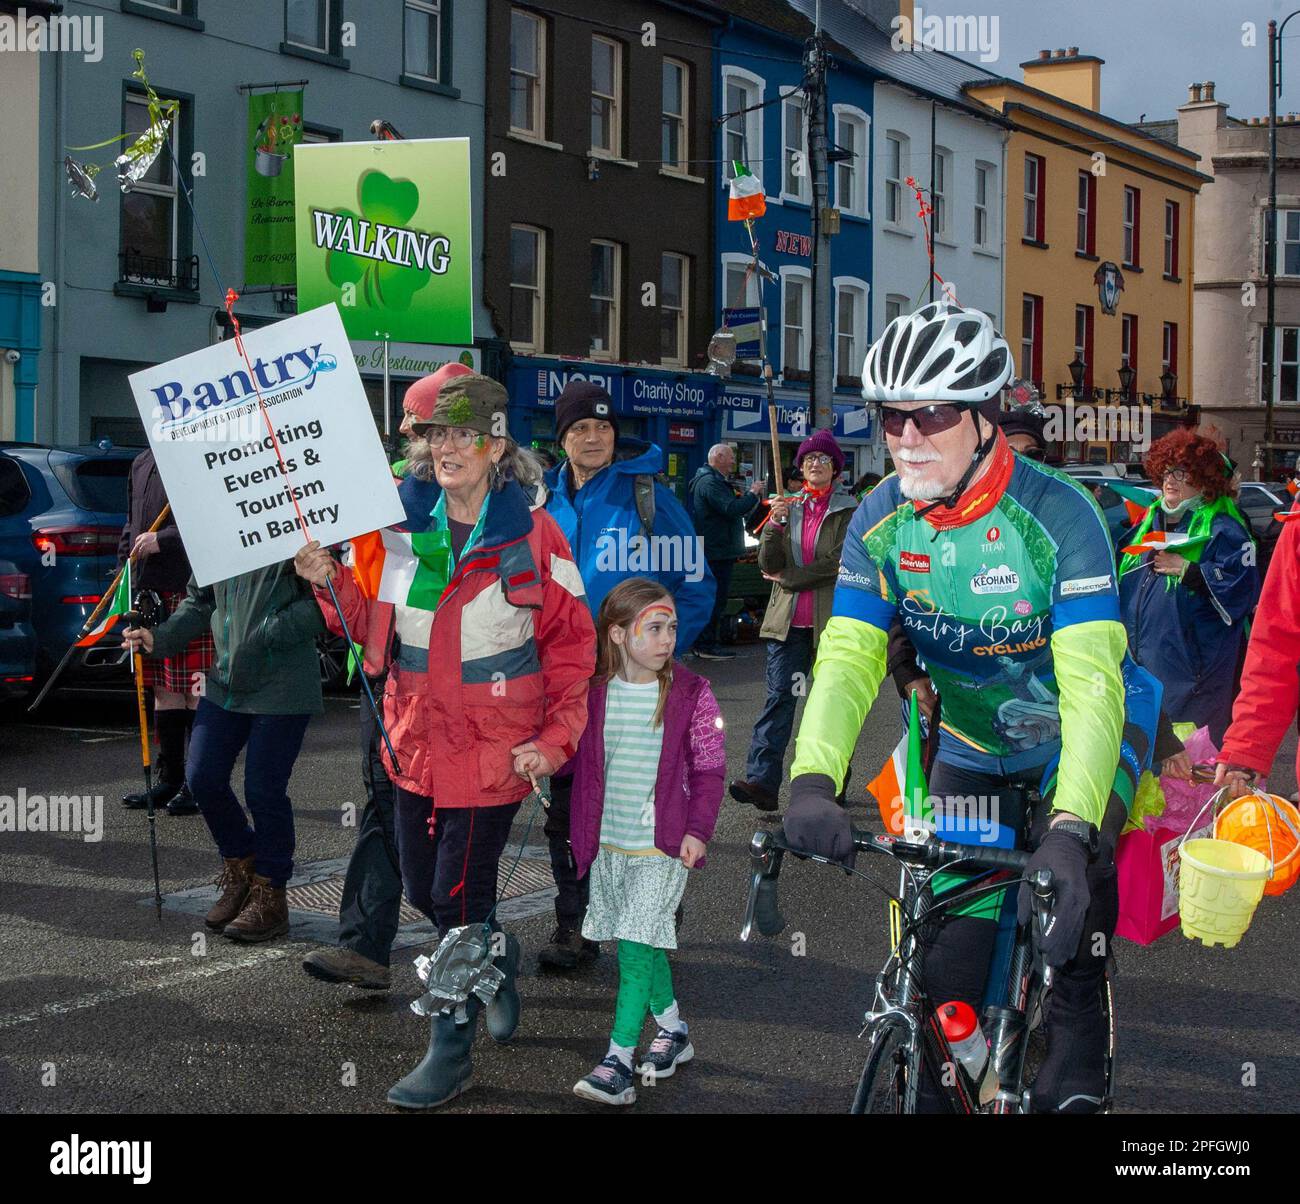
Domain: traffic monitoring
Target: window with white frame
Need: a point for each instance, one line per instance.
(796, 182)
(675, 151)
(150, 211)
(1085, 237)
(739, 283)
(984, 177)
(307, 23)
(423, 39)
(674, 308)
(895, 305)
(1128, 347)
(939, 191)
(1169, 349)
(606, 96)
(851, 127)
(850, 330)
(605, 291)
(1132, 218)
(742, 134)
(1033, 228)
(796, 319)
(896, 159)
(1287, 365)
(527, 73)
(1171, 238)
(527, 287)
(1288, 243)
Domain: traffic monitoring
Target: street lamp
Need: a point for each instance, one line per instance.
(1126, 375)
(1168, 383)
(1077, 367)
(1274, 90)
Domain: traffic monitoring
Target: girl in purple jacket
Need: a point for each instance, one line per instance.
(647, 786)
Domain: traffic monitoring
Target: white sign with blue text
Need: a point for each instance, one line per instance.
(259, 455)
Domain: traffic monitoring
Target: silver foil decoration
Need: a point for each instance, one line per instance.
(461, 966)
(139, 157)
(79, 179)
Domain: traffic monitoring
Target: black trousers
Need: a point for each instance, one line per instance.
(956, 962)
(571, 901)
(451, 876)
(369, 912)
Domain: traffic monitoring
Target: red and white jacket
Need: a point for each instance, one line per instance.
(1269, 699)
(504, 659)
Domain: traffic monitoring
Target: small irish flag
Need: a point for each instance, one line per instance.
(746, 201)
(403, 567)
(887, 788)
(900, 788)
(120, 604)
(1167, 541)
(1136, 499)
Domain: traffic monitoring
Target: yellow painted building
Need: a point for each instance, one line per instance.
(1097, 210)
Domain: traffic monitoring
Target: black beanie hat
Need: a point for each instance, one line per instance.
(582, 399)
(1023, 421)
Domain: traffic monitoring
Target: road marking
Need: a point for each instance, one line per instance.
(105, 739)
(113, 994)
(111, 731)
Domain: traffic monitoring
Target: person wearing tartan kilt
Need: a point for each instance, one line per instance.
(162, 567)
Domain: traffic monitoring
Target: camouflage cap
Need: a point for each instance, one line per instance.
(477, 403)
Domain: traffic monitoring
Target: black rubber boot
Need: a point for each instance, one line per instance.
(445, 1070)
(503, 1011)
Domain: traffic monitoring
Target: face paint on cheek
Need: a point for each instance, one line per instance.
(480, 443)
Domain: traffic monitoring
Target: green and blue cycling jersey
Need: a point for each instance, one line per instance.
(1014, 613)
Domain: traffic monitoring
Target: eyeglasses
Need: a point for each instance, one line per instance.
(1176, 474)
(461, 437)
(928, 420)
(816, 460)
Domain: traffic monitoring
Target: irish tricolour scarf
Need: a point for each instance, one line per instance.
(120, 604)
(746, 200)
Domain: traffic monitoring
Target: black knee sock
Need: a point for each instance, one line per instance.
(171, 726)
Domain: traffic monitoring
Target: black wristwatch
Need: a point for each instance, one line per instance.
(1082, 831)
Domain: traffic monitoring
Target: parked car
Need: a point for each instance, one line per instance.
(1112, 505)
(61, 515)
(17, 636)
(1259, 501)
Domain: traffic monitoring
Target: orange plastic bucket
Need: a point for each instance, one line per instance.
(1270, 825)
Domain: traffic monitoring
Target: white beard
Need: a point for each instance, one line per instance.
(916, 482)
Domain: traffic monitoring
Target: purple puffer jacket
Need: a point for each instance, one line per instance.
(688, 789)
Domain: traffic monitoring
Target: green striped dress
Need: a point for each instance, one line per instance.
(635, 888)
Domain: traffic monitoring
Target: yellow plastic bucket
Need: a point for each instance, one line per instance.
(1220, 884)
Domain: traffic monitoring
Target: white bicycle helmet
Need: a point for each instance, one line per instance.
(939, 353)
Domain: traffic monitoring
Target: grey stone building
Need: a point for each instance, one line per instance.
(417, 64)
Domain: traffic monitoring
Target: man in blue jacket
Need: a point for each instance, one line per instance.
(621, 521)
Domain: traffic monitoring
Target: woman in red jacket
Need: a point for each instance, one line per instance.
(494, 669)
(1270, 681)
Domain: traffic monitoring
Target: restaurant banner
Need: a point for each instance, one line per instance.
(274, 130)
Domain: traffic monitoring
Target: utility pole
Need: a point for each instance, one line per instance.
(1270, 247)
(825, 222)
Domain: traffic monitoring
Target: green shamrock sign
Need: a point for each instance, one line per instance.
(383, 231)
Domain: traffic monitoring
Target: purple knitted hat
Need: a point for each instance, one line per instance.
(821, 441)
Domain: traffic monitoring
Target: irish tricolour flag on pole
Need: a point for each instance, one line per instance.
(746, 201)
(1168, 541)
(403, 567)
(120, 604)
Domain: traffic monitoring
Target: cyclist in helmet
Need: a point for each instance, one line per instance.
(1002, 574)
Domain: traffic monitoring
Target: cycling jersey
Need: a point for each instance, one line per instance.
(1010, 599)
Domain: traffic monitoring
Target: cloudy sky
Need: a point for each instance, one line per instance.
(1153, 48)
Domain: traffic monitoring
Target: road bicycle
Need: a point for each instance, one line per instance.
(906, 1036)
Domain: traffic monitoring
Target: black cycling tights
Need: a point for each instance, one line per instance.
(956, 963)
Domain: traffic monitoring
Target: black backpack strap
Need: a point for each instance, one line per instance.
(643, 491)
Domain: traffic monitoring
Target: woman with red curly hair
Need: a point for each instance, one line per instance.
(1185, 597)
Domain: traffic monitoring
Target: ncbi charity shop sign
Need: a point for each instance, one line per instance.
(238, 504)
(383, 231)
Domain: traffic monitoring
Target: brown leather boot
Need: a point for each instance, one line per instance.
(236, 877)
(265, 915)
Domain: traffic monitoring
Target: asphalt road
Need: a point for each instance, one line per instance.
(104, 1010)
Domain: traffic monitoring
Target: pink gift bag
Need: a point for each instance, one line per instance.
(1147, 863)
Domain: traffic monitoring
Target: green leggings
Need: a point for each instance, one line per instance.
(644, 981)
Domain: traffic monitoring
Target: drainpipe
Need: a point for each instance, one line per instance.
(57, 275)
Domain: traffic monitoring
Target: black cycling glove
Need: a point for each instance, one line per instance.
(1067, 857)
(815, 822)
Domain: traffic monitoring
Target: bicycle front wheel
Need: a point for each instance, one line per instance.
(892, 1065)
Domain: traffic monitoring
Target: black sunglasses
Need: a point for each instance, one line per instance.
(929, 420)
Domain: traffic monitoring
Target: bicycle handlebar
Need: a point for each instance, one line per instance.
(767, 849)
